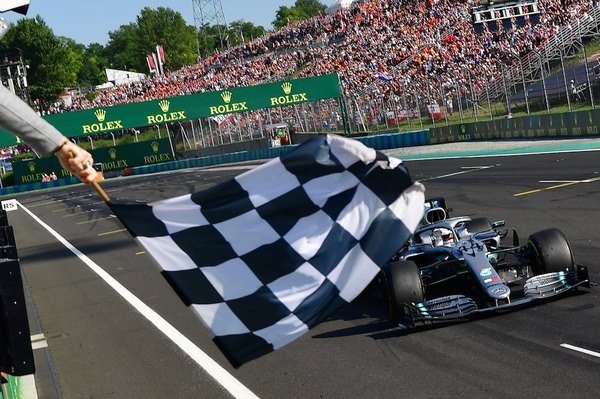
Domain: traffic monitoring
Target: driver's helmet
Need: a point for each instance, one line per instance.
(443, 236)
(462, 232)
(447, 237)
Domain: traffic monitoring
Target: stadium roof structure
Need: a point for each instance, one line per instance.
(337, 4)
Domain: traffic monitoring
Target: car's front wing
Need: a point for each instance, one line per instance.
(536, 288)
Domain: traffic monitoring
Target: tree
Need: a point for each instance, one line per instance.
(209, 38)
(53, 63)
(286, 15)
(311, 7)
(125, 50)
(72, 58)
(56, 63)
(301, 10)
(243, 31)
(236, 33)
(129, 45)
(95, 62)
(168, 28)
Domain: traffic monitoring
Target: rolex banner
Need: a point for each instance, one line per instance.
(112, 158)
(193, 106)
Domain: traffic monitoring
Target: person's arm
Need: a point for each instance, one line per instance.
(18, 118)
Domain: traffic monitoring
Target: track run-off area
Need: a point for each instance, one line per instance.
(107, 325)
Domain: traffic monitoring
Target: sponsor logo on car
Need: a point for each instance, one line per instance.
(486, 272)
(499, 290)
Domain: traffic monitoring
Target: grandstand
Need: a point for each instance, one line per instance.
(396, 59)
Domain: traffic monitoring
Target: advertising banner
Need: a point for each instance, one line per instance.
(193, 106)
(112, 158)
(567, 124)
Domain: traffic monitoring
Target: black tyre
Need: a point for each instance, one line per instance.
(478, 225)
(551, 252)
(404, 287)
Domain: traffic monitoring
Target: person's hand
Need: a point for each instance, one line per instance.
(77, 161)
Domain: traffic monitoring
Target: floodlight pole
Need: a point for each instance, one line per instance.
(209, 13)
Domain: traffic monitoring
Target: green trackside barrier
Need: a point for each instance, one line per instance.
(11, 389)
(244, 156)
(378, 142)
(566, 124)
(112, 158)
(22, 188)
(396, 140)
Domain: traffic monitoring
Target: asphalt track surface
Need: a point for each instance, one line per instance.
(114, 329)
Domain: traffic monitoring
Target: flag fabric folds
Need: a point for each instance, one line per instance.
(267, 255)
(161, 53)
(160, 57)
(384, 76)
(151, 64)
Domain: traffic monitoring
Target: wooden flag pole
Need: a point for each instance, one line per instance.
(100, 191)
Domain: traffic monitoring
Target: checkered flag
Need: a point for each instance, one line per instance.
(266, 256)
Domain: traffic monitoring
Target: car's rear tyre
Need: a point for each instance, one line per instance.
(551, 252)
(478, 225)
(403, 287)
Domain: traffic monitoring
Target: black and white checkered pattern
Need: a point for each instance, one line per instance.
(269, 254)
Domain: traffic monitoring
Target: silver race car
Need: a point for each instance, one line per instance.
(456, 267)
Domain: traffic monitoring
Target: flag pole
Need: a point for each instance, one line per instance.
(100, 191)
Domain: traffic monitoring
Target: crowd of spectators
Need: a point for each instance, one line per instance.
(412, 48)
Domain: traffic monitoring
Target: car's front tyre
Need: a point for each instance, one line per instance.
(551, 252)
(403, 285)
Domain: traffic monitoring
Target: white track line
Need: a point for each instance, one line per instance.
(38, 341)
(226, 380)
(28, 388)
(468, 170)
(436, 156)
(577, 349)
(592, 180)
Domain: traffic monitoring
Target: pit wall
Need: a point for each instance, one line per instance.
(569, 124)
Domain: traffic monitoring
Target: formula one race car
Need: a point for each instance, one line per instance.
(457, 267)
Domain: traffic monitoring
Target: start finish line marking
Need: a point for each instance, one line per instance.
(582, 350)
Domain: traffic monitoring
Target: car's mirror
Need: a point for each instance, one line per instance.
(435, 215)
